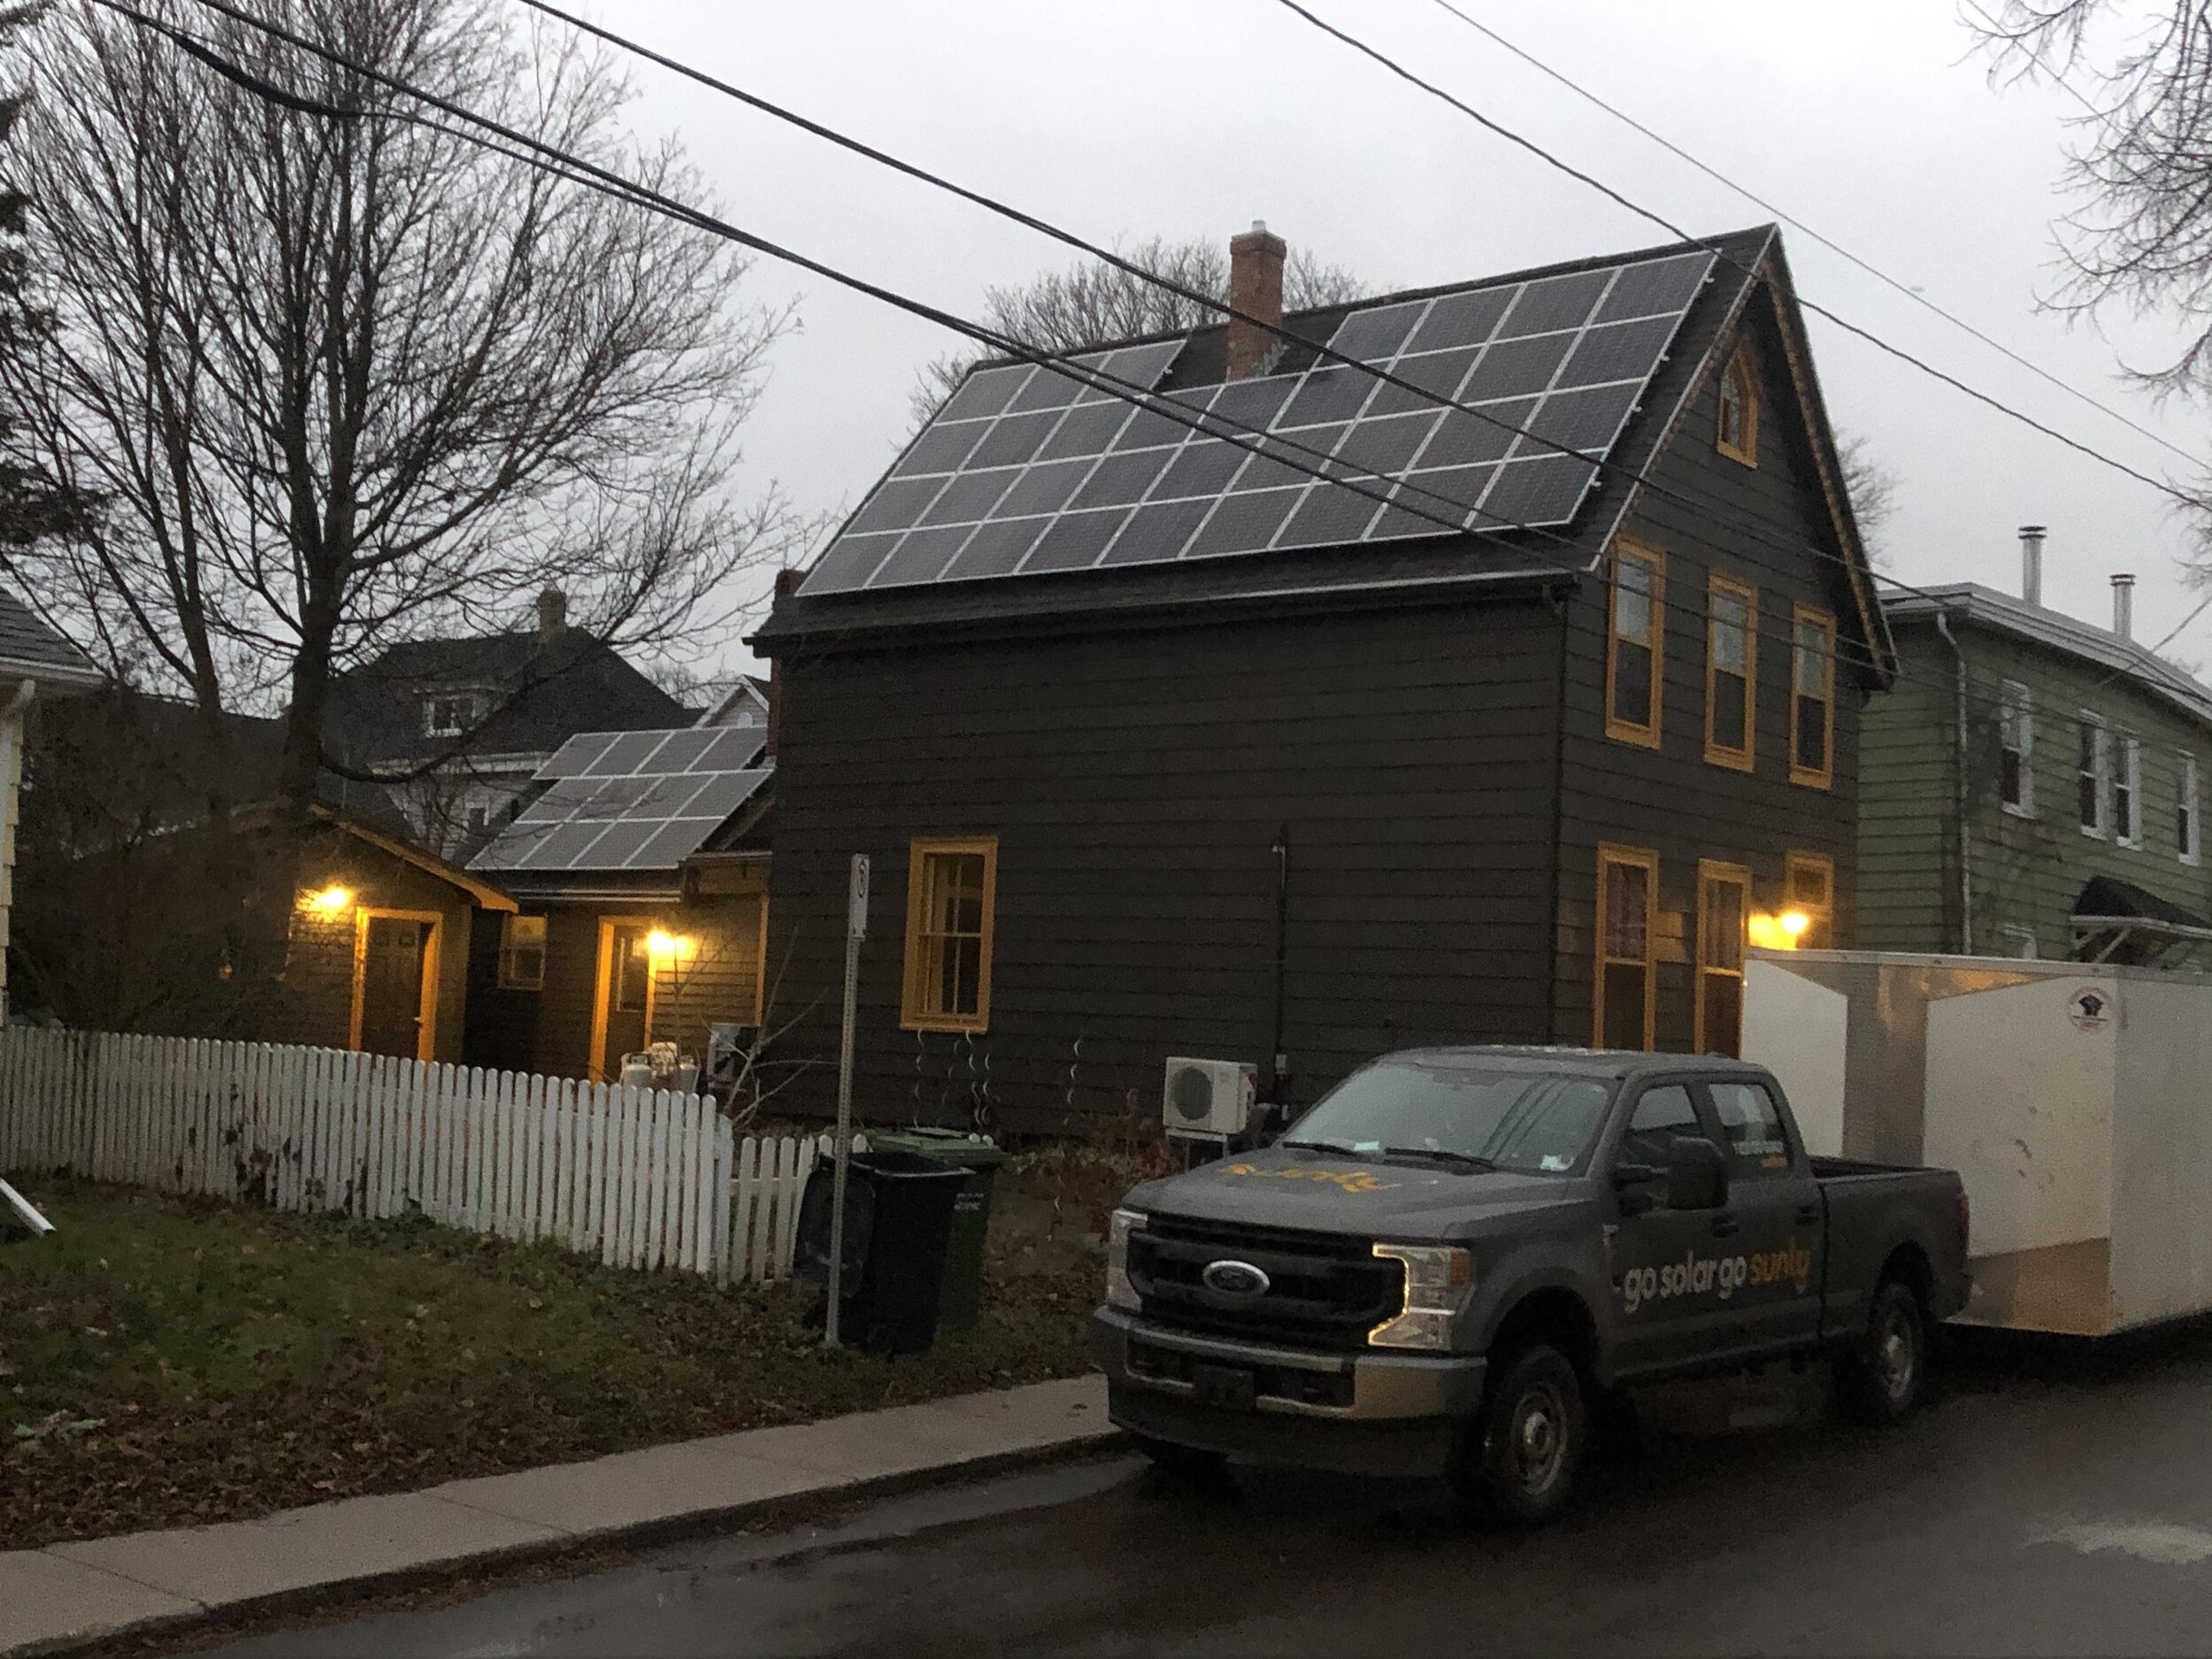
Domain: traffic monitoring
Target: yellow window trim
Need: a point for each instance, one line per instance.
(1823, 776)
(508, 927)
(1709, 873)
(1826, 866)
(1646, 735)
(913, 1012)
(1609, 855)
(1742, 377)
(1717, 753)
(604, 986)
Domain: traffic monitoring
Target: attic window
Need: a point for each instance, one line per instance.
(1738, 434)
(450, 713)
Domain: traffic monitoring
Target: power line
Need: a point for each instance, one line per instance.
(1834, 247)
(576, 170)
(1493, 126)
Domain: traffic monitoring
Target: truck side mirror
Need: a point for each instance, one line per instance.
(1697, 1175)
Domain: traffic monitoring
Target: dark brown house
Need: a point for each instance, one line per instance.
(1510, 730)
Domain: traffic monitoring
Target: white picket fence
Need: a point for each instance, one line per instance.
(639, 1178)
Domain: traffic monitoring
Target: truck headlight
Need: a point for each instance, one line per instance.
(1119, 1292)
(1437, 1278)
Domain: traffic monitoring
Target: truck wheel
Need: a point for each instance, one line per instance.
(1525, 1453)
(1880, 1379)
(1182, 1463)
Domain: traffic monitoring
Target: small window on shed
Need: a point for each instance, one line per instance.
(522, 953)
(1632, 663)
(1738, 434)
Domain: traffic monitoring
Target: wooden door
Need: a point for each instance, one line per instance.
(626, 994)
(392, 986)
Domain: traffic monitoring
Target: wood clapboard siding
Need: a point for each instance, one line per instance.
(1136, 782)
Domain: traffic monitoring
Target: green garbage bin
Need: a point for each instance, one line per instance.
(961, 1298)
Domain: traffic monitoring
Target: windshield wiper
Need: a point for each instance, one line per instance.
(1465, 1160)
(1326, 1146)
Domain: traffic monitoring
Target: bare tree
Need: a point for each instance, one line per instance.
(341, 375)
(1095, 303)
(1871, 483)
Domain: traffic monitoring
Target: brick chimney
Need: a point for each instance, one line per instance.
(1256, 289)
(787, 584)
(552, 614)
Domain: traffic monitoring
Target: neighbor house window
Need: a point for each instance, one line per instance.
(2016, 751)
(950, 894)
(1810, 888)
(1627, 916)
(1633, 660)
(2185, 810)
(2127, 791)
(522, 953)
(1723, 902)
(2092, 774)
(1731, 649)
(1737, 433)
(1812, 697)
(450, 713)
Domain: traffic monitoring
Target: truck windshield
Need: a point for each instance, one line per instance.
(1516, 1120)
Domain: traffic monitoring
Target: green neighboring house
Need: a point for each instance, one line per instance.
(2075, 758)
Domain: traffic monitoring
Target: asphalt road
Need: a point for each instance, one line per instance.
(2051, 1501)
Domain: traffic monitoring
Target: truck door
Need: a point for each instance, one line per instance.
(1667, 1308)
(1775, 1205)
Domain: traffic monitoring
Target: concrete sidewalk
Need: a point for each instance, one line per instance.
(70, 1594)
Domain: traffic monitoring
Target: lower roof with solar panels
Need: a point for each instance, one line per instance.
(624, 807)
(1498, 435)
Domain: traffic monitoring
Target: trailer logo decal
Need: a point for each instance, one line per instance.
(2090, 1009)
(1350, 1181)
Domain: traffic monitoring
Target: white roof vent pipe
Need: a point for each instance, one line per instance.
(2124, 606)
(2032, 563)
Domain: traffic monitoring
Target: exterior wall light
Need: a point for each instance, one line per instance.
(327, 901)
(1776, 933)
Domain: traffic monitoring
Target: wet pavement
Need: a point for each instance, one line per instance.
(2053, 1500)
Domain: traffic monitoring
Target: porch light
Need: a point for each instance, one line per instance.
(1776, 933)
(1794, 922)
(327, 901)
(661, 943)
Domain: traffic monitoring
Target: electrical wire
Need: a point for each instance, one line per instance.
(1834, 247)
(1612, 195)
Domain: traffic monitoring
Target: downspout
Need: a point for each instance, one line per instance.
(1563, 603)
(1960, 793)
(1281, 1068)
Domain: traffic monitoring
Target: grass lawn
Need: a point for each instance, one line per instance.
(167, 1360)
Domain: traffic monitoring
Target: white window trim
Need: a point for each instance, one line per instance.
(2101, 763)
(2187, 800)
(2019, 712)
(2128, 771)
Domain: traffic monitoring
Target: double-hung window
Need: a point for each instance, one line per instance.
(1732, 646)
(2016, 751)
(1810, 890)
(2186, 828)
(1724, 906)
(1812, 696)
(2093, 775)
(1625, 992)
(521, 953)
(951, 898)
(2127, 790)
(1632, 651)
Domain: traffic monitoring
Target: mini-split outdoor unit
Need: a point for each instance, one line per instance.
(1209, 1097)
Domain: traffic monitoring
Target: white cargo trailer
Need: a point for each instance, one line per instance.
(2074, 1099)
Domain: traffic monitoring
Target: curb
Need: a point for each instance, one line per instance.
(341, 1588)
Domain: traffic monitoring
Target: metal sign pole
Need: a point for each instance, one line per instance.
(856, 930)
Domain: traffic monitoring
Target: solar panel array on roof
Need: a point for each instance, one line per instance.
(1025, 471)
(632, 800)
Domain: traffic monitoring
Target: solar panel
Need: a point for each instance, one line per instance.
(1025, 470)
(632, 800)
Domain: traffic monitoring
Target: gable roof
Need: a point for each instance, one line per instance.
(1743, 265)
(544, 692)
(1975, 606)
(31, 651)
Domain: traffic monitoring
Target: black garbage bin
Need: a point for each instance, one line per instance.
(898, 1224)
(950, 1149)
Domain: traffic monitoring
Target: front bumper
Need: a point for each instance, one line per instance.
(1364, 1413)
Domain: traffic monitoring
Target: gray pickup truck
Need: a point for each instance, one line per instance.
(1449, 1263)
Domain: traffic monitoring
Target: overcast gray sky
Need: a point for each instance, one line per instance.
(1871, 121)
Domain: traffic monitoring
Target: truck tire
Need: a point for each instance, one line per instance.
(1524, 1451)
(1182, 1463)
(1880, 1379)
